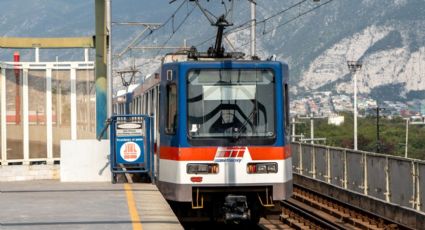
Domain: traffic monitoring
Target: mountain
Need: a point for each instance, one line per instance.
(387, 36)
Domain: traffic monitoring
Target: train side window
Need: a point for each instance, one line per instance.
(171, 120)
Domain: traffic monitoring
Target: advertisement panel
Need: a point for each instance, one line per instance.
(129, 143)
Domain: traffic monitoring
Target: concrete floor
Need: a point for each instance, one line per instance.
(53, 205)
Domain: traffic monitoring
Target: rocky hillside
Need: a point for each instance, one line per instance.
(388, 36)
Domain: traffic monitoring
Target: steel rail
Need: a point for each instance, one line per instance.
(357, 217)
(314, 218)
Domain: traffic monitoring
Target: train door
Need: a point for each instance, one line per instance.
(168, 113)
(155, 97)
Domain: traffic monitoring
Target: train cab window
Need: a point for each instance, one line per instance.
(171, 119)
(231, 105)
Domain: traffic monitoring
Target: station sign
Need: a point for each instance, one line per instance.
(129, 143)
(129, 129)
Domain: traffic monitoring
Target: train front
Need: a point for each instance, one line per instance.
(224, 144)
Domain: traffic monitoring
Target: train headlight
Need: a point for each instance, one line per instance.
(262, 168)
(202, 168)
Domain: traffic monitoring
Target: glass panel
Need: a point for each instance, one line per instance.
(37, 113)
(86, 105)
(286, 108)
(231, 103)
(171, 109)
(1, 82)
(14, 127)
(61, 108)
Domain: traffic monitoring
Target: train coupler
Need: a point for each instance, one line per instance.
(236, 209)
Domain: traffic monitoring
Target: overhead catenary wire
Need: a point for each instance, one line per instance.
(152, 30)
(175, 31)
(300, 15)
(243, 26)
(289, 21)
(247, 24)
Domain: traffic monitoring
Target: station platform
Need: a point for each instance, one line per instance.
(50, 204)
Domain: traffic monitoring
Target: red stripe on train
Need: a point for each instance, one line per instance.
(209, 153)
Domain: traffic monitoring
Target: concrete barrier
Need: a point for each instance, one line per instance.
(84, 161)
(28, 172)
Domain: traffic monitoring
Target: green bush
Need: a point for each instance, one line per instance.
(392, 135)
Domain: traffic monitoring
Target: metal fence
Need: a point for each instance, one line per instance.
(42, 103)
(392, 179)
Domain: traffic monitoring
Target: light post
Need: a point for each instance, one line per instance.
(312, 129)
(354, 67)
(407, 136)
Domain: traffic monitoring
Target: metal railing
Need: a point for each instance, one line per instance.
(391, 179)
(40, 104)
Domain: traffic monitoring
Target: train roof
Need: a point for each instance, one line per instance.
(123, 92)
(194, 56)
(184, 57)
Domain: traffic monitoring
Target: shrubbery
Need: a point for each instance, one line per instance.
(392, 135)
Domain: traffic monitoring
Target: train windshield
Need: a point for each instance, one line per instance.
(236, 103)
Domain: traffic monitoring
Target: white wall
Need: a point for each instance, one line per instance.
(85, 161)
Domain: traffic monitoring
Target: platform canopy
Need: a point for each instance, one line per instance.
(31, 42)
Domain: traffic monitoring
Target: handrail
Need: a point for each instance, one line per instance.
(376, 175)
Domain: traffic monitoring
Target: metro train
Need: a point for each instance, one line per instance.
(222, 145)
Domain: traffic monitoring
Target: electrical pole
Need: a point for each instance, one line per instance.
(407, 137)
(109, 58)
(354, 67)
(378, 140)
(293, 129)
(312, 138)
(253, 27)
(101, 66)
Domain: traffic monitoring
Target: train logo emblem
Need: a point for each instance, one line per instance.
(130, 151)
(229, 154)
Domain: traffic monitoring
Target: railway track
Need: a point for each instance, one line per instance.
(310, 210)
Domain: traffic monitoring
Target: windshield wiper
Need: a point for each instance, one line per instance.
(238, 131)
